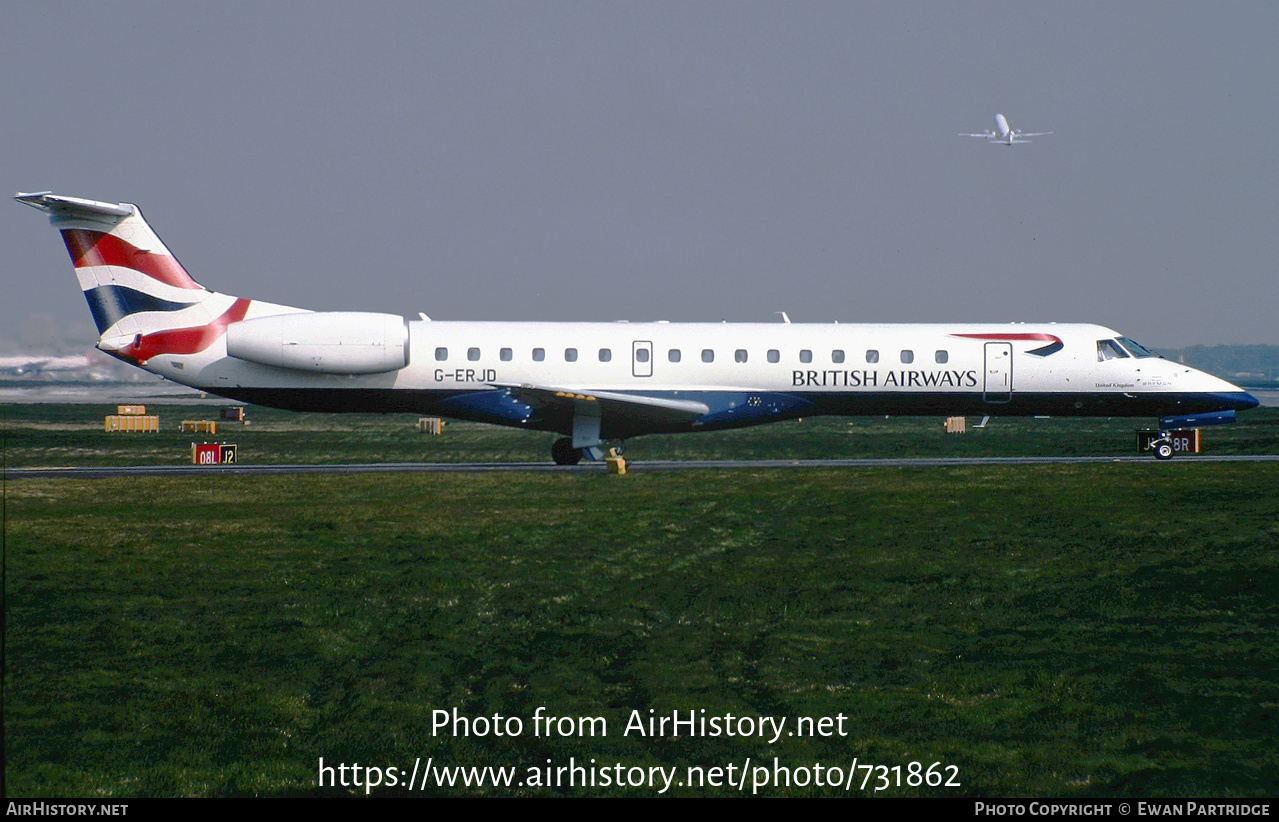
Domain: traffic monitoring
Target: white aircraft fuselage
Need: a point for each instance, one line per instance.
(1005, 134)
(1001, 126)
(598, 382)
(35, 364)
(745, 373)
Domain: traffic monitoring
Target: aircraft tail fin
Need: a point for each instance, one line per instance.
(123, 267)
(142, 299)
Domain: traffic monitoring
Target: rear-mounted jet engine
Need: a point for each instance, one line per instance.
(332, 342)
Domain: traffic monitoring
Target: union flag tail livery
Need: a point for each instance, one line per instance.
(598, 382)
(142, 299)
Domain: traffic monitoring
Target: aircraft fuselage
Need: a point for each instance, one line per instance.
(744, 373)
(596, 381)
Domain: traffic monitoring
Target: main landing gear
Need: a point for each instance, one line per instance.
(564, 453)
(1162, 447)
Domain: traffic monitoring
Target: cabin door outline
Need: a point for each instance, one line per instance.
(642, 358)
(997, 385)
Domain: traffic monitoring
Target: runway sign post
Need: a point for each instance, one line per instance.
(1184, 441)
(213, 453)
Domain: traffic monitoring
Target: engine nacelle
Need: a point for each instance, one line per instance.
(332, 342)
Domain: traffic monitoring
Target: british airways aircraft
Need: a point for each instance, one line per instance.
(1006, 136)
(597, 383)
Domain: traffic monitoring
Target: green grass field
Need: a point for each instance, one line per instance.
(1085, 630)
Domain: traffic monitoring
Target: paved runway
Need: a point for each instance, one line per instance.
(103, 472)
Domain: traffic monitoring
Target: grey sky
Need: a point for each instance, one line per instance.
(653, 160)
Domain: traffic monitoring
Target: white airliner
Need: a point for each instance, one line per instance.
(36, 364)
(600, 382)
(1005, 135)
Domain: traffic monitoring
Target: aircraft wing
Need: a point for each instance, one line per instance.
(1033, 133)
(639, 409)
(985, 134)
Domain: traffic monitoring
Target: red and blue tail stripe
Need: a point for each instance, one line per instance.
(191, 340)
(94, 248)
(124, 295)
(142, 299)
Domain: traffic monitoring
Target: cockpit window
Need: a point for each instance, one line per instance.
(1110, 350)
(1136, 349)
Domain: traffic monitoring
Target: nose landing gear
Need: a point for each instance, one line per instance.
(1165, 443)
(1162, 446)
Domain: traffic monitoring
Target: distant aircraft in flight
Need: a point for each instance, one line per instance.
(1004, 135)
(601, 382)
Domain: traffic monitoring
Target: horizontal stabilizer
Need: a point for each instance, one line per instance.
(74, 206)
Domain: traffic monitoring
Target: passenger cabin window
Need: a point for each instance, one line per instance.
(570, 355)
(472, 354)
(441, 354)
(805, 356)
(837, 355)
(872, 356)
(505, 354)
(740, 355)
(774, 355)
(942, 356)
(708, 355)
(641, 355)
(1110, 350)
(606, 355)
(539, 354)
(908, 356)
(673, 355)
